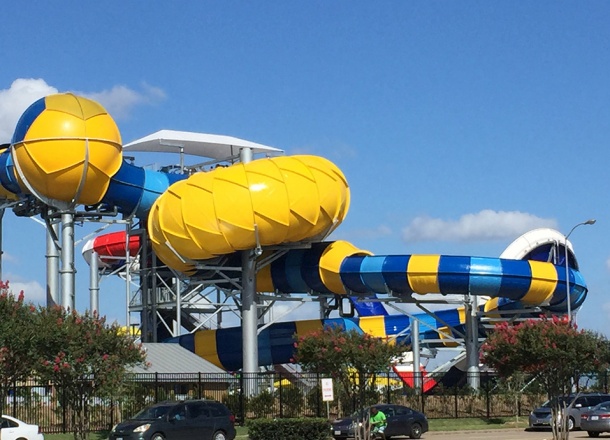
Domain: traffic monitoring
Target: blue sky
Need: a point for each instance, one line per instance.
(459, 125)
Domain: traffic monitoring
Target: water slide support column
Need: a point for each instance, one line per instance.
(472, 342)
(249, 309)
(94, 284)
(417, 379)
(127, 277)
(145, 318)
(1, 249)
(53, 297)
(178, 321)
(67, 260)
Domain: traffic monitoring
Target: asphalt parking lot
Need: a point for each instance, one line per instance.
(502, 434)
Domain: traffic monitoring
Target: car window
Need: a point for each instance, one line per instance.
(389, 411)
(198, 410)
(153, 412)
(179, 412)
(604, 406)
(6, 423)
(218, 410)
(582, 401)
(402, 411)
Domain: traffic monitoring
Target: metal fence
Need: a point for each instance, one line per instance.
(277, 395)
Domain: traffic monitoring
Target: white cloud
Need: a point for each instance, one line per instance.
(17, 98)
(32, 290)
(118, 100)
(9, 258)
(487, 225)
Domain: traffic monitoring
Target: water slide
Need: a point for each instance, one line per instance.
(282, 200)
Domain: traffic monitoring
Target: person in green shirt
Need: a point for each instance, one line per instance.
(378, 423)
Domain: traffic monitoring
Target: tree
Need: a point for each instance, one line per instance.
(351, 358)
(84, 357)
(553, 350)
(17, 336)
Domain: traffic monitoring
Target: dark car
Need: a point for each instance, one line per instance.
(401, 421)
(541, 417)
(596, 420)
(185, 420)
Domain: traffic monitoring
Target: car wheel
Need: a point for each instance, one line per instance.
(415, 431)
(157, 436)
(593, 433)
(219, 435)
(571, 424)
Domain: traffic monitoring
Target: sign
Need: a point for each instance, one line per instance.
(327, 390)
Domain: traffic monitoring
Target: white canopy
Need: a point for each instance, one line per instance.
(213, 146)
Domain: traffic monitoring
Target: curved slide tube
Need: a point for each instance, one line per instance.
(531, 283)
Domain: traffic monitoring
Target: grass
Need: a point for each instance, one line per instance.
(435, 425)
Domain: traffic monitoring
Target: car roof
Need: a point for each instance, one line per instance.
(177, 402)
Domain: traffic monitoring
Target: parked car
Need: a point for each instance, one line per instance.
(13, 429)
(541, 417)
(401, 421)
(596, 420)
(183, 420)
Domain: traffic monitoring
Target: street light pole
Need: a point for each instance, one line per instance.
(565, 245)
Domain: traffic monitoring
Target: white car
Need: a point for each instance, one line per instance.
(13, 429)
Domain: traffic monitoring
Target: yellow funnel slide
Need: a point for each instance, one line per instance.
(268, 202)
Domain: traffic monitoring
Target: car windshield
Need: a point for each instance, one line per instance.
(605, 406)
(357, 414)
(563, 401)
(362, 413)
(153, 412)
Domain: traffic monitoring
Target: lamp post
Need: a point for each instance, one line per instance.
(565, 245)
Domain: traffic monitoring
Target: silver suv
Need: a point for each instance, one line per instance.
(541, 417)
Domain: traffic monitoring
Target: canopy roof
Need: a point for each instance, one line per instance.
(213, 146)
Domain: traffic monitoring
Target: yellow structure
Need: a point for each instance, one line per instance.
(264, 202)
(66, 148)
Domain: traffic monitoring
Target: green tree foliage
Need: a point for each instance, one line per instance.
(553, 350)
(85, 356)
(17, 336)
(351, 358)
(81, 354)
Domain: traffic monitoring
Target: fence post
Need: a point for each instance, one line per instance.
(14, 405)
(199, 385)
(156, 387)
(318, 395)
(488, 402)
(63, 409)
(242, 406)
(111, 413)
(388, 393)
(281, 397)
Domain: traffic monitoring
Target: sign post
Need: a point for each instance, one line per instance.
(327, 394)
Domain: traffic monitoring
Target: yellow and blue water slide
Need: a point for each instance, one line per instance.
(528, 283)
(67, 151)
